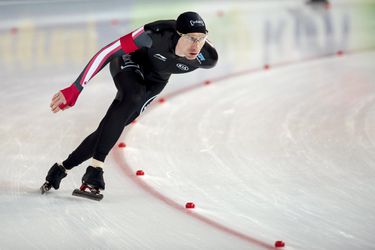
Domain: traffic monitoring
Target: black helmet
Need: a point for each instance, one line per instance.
(190, 22)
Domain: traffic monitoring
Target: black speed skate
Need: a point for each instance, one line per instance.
(92, 183)
(56, 173)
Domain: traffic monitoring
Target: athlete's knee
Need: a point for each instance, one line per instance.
(127, 108)
(130, 91)
(130, 102)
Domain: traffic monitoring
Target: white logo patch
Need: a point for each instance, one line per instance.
(182, 67)
(160, 57)
(196, 23)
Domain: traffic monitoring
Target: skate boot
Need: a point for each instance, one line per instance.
(56, 173)
(92, 183)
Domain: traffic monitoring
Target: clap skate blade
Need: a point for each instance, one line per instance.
(92, 193)
(45, 187)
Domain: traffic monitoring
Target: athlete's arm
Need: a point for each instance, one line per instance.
(67, 97)
(127, 44)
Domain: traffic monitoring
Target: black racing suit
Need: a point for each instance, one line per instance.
(141, 63)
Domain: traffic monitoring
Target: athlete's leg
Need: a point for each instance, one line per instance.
(128, 105)
(130, 93)
(86, 149)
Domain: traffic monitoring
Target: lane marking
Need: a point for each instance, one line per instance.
(127, 170)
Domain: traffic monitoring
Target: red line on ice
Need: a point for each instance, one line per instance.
(124, 166)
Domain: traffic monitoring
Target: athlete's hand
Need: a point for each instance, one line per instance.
(57, 100)
(65, 98)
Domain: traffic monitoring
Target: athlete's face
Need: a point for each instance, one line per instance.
(189, 45)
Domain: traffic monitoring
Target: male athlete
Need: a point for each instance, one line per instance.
(141, 64)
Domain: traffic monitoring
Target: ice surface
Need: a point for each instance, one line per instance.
(284, 154)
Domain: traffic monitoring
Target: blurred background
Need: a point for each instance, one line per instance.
(63, 35)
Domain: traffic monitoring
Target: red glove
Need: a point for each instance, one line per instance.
(71, 94)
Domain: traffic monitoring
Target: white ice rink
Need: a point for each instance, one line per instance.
(280, 154)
